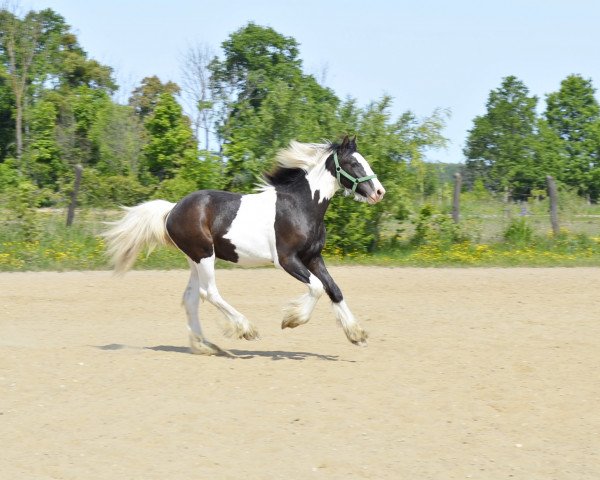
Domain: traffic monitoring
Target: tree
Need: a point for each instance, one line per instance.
(7, 124)
(20, 42)
(170, 141)
(197, 90)
(573, 114)
(39, 50)
(118, 138)
(272, 101)
(501, 145)
(393, 147)
(42, 157)
(145, 97)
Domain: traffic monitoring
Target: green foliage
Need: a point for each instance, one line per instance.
(266, 101)
(145, 97)
(7, 121)
(42, 157)
(170, 141)
(262, 98)
(108, 191)
(501, 145)
(573, 114)
(9, 175)
(435, 228)
(21, 200)
(118, 138)
(350, 227)
(197, 173)
(519, 232)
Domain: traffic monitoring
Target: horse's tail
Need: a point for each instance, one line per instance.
(142, 226)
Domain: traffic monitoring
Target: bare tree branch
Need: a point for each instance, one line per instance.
(196, 89)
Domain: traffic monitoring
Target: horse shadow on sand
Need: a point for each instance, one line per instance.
(233, 353)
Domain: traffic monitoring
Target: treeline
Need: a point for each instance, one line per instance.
(511, 149)
(57, 110)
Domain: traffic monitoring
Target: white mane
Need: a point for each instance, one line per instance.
(302, 155)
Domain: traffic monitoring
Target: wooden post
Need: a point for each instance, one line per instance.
(456, 198)
(553, 195)
(73, 204)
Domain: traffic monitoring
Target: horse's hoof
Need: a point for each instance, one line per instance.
(251, 333)
(357, 336)
(200, 346)
(292, 320)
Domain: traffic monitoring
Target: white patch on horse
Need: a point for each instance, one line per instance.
(299, 311)
(252, 231)
(351, 327)
(368, 171)
(321, 180)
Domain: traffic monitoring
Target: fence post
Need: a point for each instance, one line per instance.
(456, 197)
(553, 195)
(73, 204)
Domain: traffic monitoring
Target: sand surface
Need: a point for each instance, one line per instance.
(469, 373)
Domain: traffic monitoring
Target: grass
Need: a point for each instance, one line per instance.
(53, 246)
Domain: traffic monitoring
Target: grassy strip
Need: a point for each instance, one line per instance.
(54, 247)
(87, 253)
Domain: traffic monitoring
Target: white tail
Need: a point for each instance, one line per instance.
(142, 225)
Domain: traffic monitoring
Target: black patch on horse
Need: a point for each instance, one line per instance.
(195, 225)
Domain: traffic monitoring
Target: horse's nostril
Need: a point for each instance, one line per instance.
(380, 192)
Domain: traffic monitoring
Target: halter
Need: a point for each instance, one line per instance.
(355, 181)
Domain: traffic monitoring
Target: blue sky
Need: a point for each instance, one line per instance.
(426, 54)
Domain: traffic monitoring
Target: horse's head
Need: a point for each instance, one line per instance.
(354, 174)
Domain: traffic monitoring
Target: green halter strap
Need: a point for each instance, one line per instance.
(355, 181)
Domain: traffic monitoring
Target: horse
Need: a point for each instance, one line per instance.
(281, 224)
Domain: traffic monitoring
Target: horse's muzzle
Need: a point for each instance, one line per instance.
(377, 196)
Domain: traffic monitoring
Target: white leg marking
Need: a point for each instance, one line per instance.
(351, 327)
(191, 298)
(299, 311)
(238, 325)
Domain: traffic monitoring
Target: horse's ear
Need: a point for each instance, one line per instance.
(352, 144)
(345, 143)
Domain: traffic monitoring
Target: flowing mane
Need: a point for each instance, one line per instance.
(296, 160)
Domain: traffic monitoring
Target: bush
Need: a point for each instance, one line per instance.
(22, 201)
(102, 191)
(432, 227)
(519, 232)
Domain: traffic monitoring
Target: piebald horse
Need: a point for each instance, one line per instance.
(282, 223)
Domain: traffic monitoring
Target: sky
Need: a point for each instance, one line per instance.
(426, 54)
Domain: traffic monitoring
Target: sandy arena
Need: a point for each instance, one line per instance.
(469, 373)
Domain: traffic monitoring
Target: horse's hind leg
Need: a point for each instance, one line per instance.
(191, 300)
(238, 325)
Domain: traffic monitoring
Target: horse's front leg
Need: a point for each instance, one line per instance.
(298, 311)
(352, 328)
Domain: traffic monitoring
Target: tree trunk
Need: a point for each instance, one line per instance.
(19, 130)
(553, 195)
(456, 198)
(73, 204)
